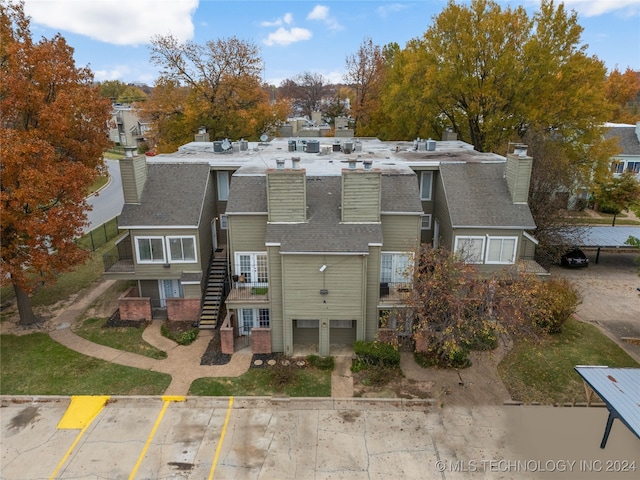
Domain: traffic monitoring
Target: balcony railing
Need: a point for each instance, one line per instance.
(248, 291)
(114, 262)
(394, 291)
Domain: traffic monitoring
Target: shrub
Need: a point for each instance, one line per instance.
(483, 339)
(181, 337)
(376, 353)
(555, 302)
(282, 375)
(321, 363)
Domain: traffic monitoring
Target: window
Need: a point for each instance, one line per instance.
(223, 185)
(249, 318)
(182, 249)
(426, 180)
(396, 267)
(252, 268)
(425, 222)
(501, 250)
(224, 222)
(633, 167)
(470, 249)
(150, 249)
(617, 167)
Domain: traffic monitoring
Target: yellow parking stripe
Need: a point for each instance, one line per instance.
(224, 431)
(167, 400)
(79, 414)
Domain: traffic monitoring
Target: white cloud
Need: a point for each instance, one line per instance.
(593, 8)
(282, 36)
(115, 22)
(386, 10)
(117, 73)
(287, 19)
(321, 13)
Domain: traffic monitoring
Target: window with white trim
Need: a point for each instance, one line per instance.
(249, 318)
(426, 183)
(396, 267)
(251, 268)
(182, 249)
(223, 184)
(470, 249)
(501, 250)
(150, 250)
(224, 222)
(425, 222)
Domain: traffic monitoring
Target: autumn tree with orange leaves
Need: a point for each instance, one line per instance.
(52, 137)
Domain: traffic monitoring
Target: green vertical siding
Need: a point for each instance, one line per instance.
(518, 173)
(400, 233)
(361, 196)
(441, 212)
(286, 196)
(204, 238)
(275, 297)
(247, 233)
(373, 294)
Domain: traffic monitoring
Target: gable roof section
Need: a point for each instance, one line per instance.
(477, 196)
(400, 193)
(247, 194)
(173, 196)
(627, 139)
(323, 232)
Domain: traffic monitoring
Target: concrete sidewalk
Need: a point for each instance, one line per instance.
(182, 362)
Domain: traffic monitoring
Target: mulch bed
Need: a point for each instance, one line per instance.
(213, 355)
(116, 322)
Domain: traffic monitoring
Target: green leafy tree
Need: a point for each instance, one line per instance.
(622, 89)
(52, 137)
(619, 194)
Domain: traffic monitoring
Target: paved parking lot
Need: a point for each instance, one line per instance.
(264, 438)
(610, 296)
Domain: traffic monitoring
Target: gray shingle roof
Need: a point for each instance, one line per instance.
(323, 231)
(247, 194)
(173, 195)
(627, 139)
(478, 196)
(400, 193)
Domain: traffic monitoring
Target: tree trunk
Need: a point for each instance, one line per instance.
(27, 317)
(613, 223)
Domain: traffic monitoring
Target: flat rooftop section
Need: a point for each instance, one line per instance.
(386, 156)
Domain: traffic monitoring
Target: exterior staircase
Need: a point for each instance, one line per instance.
(215, 292)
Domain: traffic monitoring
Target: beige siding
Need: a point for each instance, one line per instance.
(400, 233)
(133, 171)
(192, 291)
(361, 196)
(204, 230)
(286, 196)
(518, 173)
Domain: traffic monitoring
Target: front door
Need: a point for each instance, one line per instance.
(169, 289)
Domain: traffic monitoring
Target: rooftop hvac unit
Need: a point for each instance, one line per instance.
(217, 146)
(313, 146)
(431, 145)
(347, 147)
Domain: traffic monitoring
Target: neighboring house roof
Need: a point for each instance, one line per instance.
(627, 139)
(477, 196)
(173, 196)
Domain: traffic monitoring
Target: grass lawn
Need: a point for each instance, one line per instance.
(308, 382)
(128, 339)
(543, 372)
(36, 365)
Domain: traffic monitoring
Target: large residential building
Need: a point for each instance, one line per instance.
(310, 241)
(628, 137)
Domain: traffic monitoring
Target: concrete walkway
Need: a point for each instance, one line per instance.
(182, 362)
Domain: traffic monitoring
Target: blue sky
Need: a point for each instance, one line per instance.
(295, 36)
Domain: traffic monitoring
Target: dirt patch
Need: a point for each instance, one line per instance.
(478, 384)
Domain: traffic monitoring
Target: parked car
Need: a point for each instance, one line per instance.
(574, 258)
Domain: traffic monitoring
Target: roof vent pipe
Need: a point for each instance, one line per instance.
(279, 163)
(352, 163)
(130, 152)
(367, 164)
(520, 149)
(295, 163)
(202, 130)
